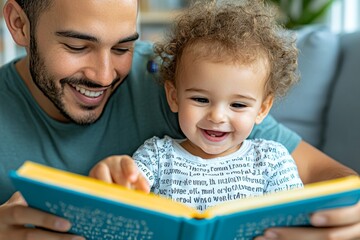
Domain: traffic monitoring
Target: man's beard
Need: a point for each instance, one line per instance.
(46, 83)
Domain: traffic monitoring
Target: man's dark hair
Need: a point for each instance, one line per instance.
(20, 2)
(33, 9)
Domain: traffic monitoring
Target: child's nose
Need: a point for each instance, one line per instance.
(217, 114)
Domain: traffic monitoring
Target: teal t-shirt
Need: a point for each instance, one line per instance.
(137, 111)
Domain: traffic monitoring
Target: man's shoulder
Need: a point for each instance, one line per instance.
(270, 129)
(6, 70)
(9, 78)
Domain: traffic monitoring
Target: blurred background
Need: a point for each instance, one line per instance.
(156, 15)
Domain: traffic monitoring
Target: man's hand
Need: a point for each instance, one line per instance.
(15, 215)
(334, 224)
(121, 170)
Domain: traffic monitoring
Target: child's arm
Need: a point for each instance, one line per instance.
(121, 170)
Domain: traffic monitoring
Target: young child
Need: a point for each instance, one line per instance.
(223, 65)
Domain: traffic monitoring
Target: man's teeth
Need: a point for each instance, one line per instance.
(88, 93)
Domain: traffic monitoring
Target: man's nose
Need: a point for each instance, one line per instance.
(102, 69)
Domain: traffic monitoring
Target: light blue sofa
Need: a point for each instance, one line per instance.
(324, 108)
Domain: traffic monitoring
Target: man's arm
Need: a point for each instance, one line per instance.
(315, 166)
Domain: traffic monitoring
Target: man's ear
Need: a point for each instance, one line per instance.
(171, 96)
(265, 109)
(17, 22)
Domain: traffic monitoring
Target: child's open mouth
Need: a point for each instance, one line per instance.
(214, 136)
(214, 133)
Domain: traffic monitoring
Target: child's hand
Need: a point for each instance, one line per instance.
(120, 170)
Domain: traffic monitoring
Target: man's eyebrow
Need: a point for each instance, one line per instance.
(130, 38)
(81, 36)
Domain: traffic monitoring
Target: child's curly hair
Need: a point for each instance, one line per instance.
(238, 32)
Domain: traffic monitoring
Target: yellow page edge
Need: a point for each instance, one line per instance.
(98, 188)
(309, 191)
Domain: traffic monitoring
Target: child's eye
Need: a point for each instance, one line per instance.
(200, 100)
(238, 105)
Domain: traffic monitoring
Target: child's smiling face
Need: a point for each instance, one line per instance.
(218, 103)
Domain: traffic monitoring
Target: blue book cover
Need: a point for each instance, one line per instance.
(101, 211)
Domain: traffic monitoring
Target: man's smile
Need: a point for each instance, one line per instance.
(88, 93)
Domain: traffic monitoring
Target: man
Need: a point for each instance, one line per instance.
(70, 103)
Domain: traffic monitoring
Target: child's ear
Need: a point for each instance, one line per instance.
(171, 96)
(265, 109)
(17, 23)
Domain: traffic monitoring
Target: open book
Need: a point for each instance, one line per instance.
(99, 210)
